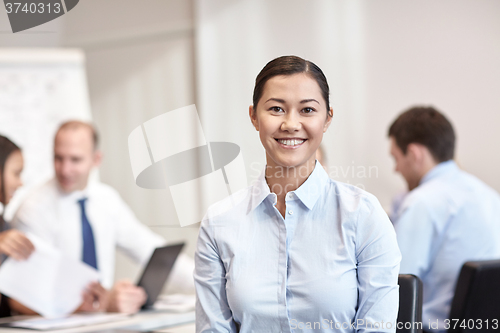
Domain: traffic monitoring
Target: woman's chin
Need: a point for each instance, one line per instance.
(291, 163)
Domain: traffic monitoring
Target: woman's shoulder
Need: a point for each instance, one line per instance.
(229, 208)
(349, 197)
(361, 210)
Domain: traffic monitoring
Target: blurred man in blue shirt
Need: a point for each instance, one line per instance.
(448, 216)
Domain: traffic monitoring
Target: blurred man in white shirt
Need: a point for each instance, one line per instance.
(87, 220)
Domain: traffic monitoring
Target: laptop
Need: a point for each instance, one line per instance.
(157, 271)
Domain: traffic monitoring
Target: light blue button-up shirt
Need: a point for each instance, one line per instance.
(331, 263)
(450, 218)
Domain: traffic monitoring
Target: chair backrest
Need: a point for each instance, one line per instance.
(477, 298)
(410, 304)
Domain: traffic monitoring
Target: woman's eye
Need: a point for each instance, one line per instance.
(308, 110)
(276, 109)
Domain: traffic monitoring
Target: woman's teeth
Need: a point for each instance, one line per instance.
(291, 142)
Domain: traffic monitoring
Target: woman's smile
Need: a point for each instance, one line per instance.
(290, 143)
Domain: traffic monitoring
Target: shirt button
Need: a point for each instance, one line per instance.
(290, 212)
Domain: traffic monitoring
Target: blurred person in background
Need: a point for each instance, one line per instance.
(13, 243)
(448, 216)
(88, 220)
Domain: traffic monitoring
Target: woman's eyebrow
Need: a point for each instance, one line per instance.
(279, 100)
(308, 100)
(276, 100)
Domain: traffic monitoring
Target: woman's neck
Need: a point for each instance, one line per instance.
(282, 180)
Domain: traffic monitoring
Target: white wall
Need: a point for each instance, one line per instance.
(46, 35)
(443, 53)
(139, 65)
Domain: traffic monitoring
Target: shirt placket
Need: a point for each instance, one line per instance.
(291, 217)
(286, 229)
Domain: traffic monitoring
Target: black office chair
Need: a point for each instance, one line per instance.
(477, 298)
(410, 304)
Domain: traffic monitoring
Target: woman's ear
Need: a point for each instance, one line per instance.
(329, 118)
(253, 117)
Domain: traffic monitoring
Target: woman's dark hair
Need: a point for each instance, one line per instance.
(288, 65)
(7, 147)
(427, 126)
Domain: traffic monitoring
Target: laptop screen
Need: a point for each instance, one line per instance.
(157, 271)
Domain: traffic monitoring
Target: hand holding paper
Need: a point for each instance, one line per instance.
(95, 298)
(47, 282)
(15, 244)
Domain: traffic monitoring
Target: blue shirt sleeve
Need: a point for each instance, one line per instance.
(378, 260)
(212, 310)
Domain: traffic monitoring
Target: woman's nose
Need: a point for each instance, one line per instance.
(291, 123)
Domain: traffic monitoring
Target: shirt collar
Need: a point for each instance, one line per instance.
(260, 190)
(308, 192)
(75, 195)
(439, 170)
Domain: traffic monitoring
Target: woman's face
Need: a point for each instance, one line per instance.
(291, 118)
(12, 174)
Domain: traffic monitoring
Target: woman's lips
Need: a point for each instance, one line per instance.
(290, 143)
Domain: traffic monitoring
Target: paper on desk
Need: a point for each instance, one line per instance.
(48, 282)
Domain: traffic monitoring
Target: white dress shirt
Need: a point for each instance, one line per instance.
(331, 264)
(55, 216)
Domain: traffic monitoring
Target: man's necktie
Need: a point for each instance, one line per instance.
(89, 256)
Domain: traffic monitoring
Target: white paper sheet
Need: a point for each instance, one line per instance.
(48, 282)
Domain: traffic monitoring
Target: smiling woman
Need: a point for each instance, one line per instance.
(291, 118)
(296, 246)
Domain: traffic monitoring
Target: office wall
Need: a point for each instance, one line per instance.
(139, 65)
(46, 35)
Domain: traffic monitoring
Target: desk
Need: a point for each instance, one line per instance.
(143, 321)
(189, 328)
